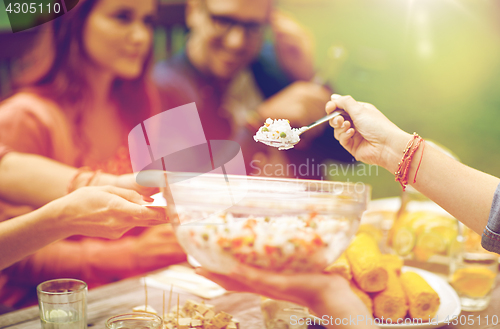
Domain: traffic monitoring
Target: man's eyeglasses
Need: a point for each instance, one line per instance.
(223, 24)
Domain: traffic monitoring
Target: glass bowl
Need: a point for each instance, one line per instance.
(283, 225)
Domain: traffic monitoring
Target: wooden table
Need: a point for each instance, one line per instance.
(121, 297)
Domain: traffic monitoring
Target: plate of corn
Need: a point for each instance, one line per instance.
(398, 296)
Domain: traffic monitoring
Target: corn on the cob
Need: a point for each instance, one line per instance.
(391, 303)
(392, 262)
(423, 301)
(363, 296)
(341, 266)
(366, 264)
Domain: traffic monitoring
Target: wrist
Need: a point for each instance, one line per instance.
(393, 151)
(85, 177)
(78, 181)
(56, 219)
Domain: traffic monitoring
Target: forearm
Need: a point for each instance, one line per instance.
(91, 260)
(23, 235)
(36, 180)
(464, 192)
(32, 179)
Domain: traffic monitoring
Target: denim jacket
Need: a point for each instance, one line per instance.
(491, 234)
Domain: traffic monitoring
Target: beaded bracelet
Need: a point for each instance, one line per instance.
(91, 178)
(71, 185)
(405, 163)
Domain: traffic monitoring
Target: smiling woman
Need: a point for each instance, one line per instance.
(83, 89)
(117, 40)
(101, 49)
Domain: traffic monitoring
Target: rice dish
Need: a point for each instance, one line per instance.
(287, 244)
(278, 133)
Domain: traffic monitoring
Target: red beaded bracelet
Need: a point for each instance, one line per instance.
(405, 164)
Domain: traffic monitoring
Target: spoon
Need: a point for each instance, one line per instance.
(281, 145)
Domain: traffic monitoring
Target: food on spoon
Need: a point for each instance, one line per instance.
(391, 302)
(284, 244)
(277, 133)
(423, 300)
(366, 263)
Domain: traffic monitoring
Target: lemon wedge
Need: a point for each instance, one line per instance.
(432, 241)
(57, 316)
(404, 241)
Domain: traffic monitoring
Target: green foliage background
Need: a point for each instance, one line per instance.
(432, 66)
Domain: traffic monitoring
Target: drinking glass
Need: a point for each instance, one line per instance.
(137, 320)
(473, 272)
(63, 304)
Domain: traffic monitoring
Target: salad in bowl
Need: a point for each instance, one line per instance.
(283, 225)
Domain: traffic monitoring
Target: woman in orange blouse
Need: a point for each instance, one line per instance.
(85, 89)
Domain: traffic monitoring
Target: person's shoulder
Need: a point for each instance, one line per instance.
(29, 104)
(31, 123)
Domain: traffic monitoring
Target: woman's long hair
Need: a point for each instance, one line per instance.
(53, 69)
